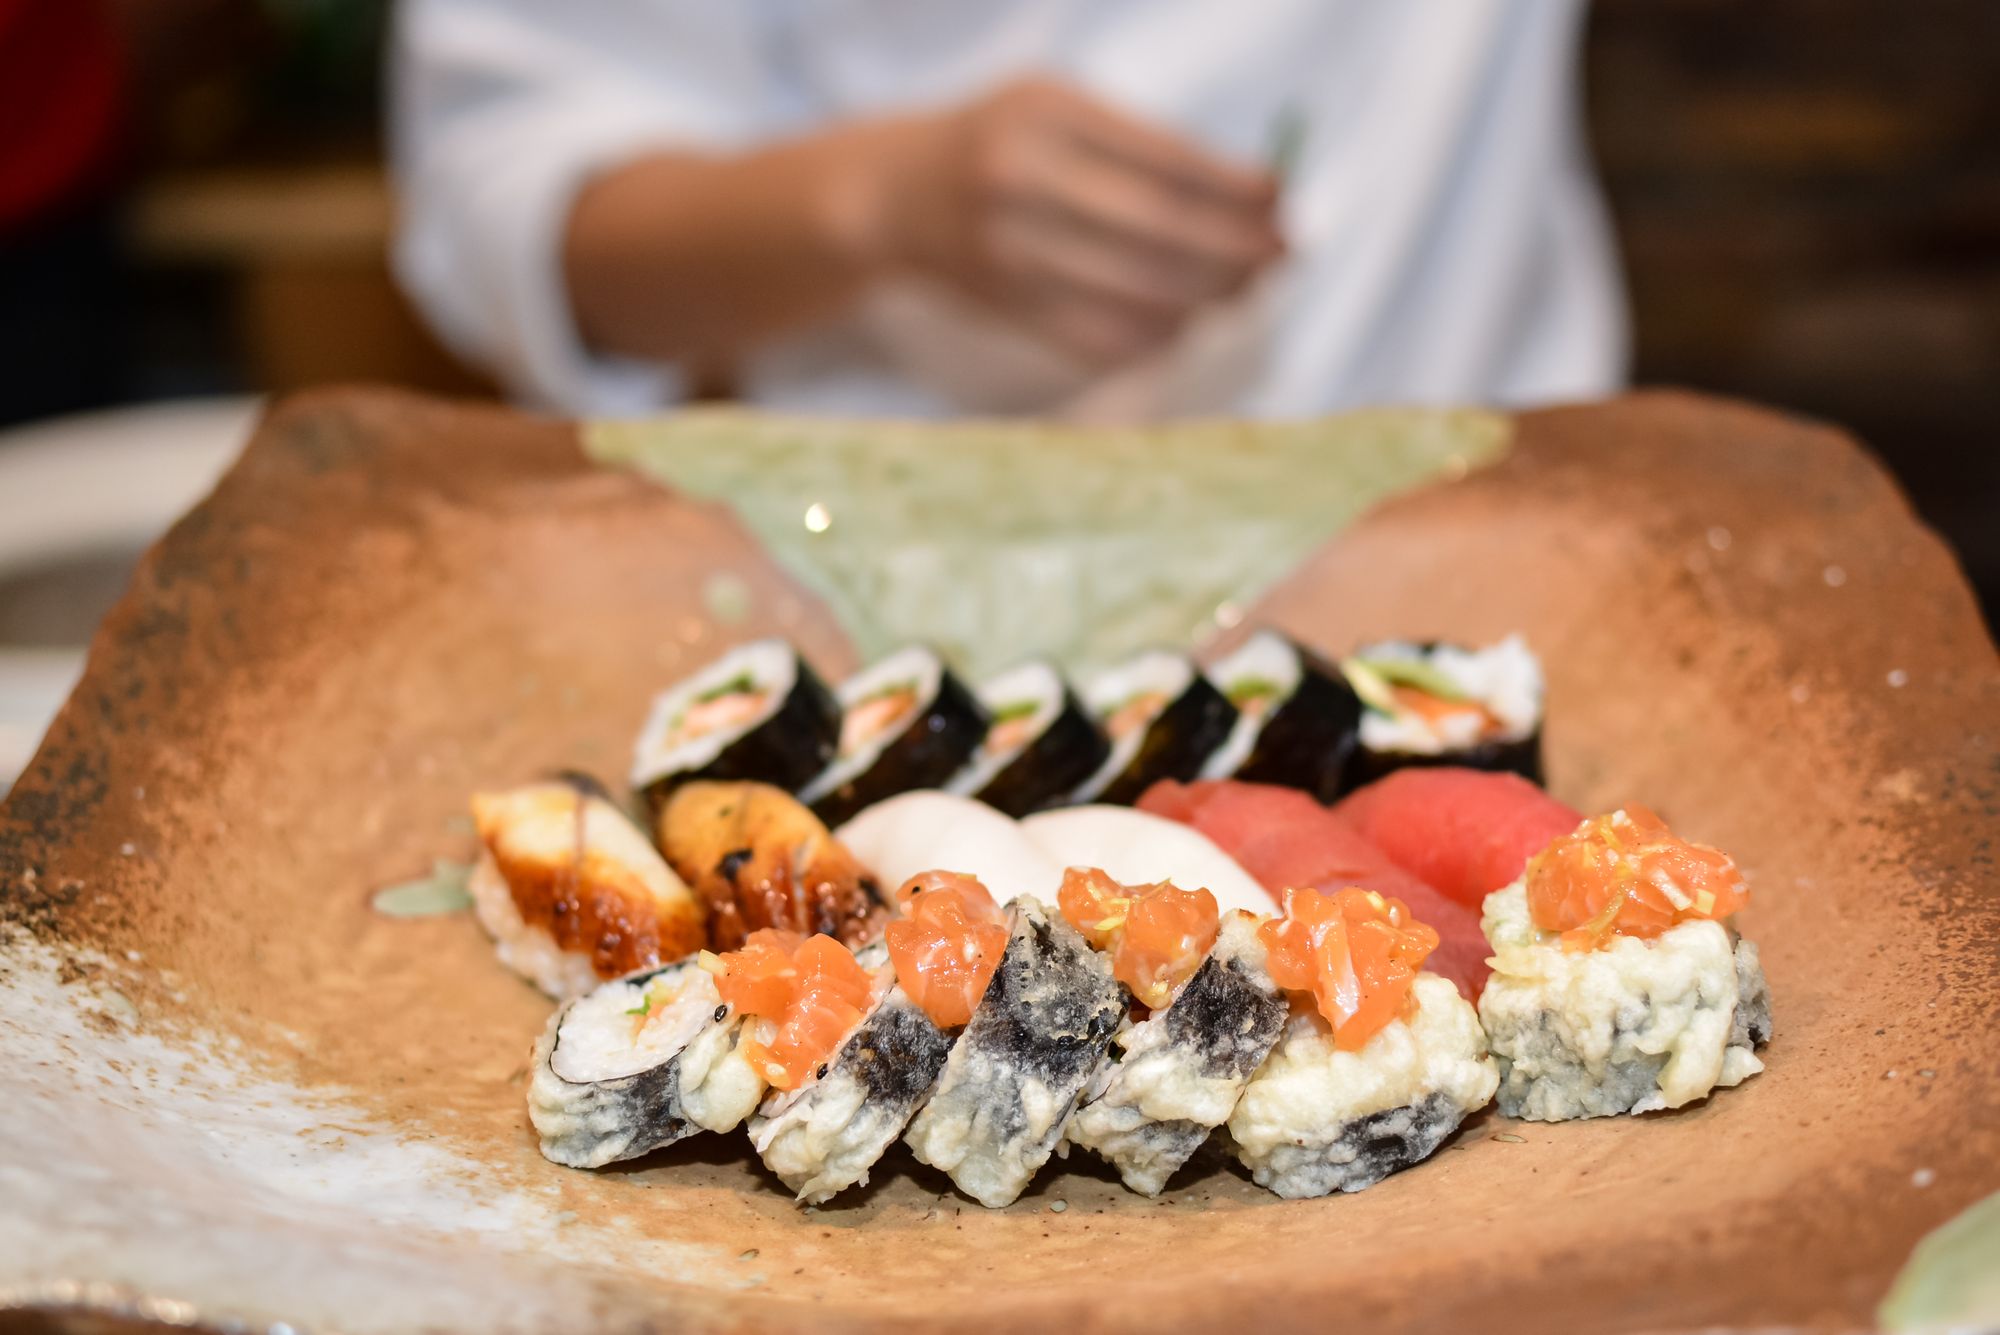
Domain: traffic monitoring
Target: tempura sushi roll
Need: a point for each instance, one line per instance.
(1211, 1015)
(639, 1063)
(1297, 718)
(571, 891)
(1439, 704)
(1618, 985)
(825, 1134)
(1378, 1063)
(1042, 743)
(1164, 719)
(758, 712)
(1028, 1049)
(760, 858)
(906, 722)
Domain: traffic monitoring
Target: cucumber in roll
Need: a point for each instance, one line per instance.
(906, 722)
(639, 1063)
(1164, 719)
(1440, 704)
(758, 712)
(1042, 743)
(1297, 717)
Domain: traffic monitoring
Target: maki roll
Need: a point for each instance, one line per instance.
(1015, 1074)
(639, 1063)
(906, 722)
(758, 712)
(825, 1132)
(1211, 1016)
(1618, 985)
(1041, 745)
(1439, 704)
(1378, 1063)
(571, 891)
(1164, 719)
(759, 859)
(1297, 718)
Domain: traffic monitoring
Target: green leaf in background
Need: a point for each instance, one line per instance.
(1952, 1279)
(443, 891)
(997, 542)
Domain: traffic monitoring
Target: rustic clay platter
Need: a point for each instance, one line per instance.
(236, 1095)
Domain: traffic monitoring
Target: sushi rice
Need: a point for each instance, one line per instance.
(639, 1063)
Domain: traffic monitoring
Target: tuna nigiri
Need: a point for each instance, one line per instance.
(1466, 832)
(1289, 841)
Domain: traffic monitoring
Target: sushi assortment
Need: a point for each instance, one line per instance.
(1146, 920)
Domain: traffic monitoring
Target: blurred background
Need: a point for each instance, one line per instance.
(1806, 194)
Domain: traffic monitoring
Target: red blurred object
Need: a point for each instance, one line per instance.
(1464, 831)
(62, 100)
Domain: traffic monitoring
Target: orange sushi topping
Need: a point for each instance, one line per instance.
(809, 992)
(1156, 935)
(947, 944)
(1627, 874)
(1356, 951)
(1435, 709)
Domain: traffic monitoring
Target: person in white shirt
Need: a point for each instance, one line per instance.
(1094, 209)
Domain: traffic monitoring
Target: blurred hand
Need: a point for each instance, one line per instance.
(1092, 230)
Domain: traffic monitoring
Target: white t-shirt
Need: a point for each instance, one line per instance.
(1447, 243)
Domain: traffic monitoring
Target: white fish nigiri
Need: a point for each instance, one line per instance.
(927, 830)
(1138, 848)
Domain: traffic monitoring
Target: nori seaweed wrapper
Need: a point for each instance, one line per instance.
(1177, 742)
(925, 754)
(1052, 766)
(788, 749)
(1311, 736)
(1522, 757)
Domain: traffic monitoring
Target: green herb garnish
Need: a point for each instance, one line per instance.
(740, 684)
(1245, 689)
(443, 891)
(1018, 709)
(645, 1006)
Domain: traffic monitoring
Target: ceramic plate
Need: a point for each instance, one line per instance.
(237, 1095)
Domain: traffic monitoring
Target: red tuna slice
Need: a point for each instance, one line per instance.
(1285, 839)
(1464, 831)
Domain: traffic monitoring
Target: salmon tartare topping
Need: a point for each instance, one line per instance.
(808, 991)
(1627, 874)
(947, 944)
(1156, 935)
(1356, 951)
